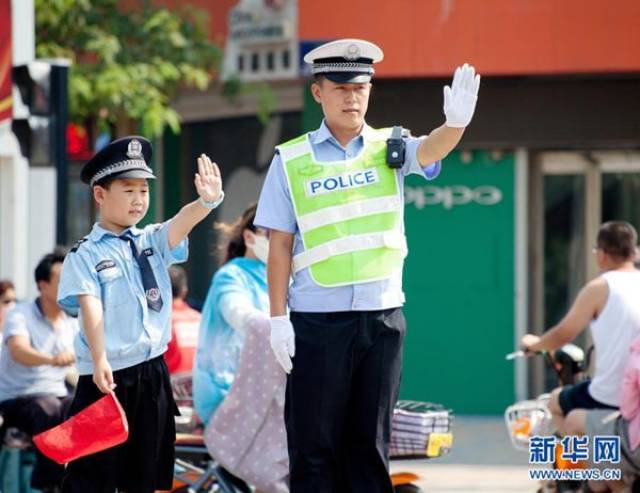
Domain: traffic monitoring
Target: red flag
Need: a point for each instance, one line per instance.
(100, 426)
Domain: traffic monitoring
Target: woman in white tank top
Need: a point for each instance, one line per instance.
(610, 304)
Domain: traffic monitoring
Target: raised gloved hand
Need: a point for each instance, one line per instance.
(460, 99)
(283, 341)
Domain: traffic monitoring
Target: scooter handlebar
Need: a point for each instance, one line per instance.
(521, 354)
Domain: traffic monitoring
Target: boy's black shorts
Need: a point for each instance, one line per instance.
(144, 463)
(577, 396)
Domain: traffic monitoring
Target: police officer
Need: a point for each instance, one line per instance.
(333, 202)
(117, 279)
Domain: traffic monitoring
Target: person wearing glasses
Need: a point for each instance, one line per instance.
(610, 305)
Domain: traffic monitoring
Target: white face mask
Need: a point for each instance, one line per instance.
(260, 247)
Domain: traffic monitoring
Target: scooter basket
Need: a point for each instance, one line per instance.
(526, 419)
(420, 430)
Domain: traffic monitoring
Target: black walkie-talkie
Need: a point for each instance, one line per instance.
(395, 148)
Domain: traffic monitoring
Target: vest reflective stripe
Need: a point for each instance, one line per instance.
(389, 239)
(349, 212)
(335, 214)
(287, 153)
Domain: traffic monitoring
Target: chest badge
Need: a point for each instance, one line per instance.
(153, 294)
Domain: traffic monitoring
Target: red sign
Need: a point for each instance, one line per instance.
(5, 59)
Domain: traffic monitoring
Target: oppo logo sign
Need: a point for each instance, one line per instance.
(453, 196)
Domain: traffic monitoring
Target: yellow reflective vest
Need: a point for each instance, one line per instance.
(350, 213)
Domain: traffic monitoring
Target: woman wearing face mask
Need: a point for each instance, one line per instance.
(244, 422)
(236, 299)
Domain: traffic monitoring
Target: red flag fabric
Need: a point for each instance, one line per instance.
(100, 426)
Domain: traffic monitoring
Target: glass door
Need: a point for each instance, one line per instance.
(579, 191)
(564, 237)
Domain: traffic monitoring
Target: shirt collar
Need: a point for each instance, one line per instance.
(323, 134)
(37, 309)
(98, 232)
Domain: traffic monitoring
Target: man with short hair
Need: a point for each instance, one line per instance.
(37, 354)
(609, 305)
(333, 202)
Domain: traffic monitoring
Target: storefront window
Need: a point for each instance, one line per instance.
(621, 197)
(563, 243)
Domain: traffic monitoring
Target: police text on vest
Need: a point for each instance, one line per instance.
(344, 181)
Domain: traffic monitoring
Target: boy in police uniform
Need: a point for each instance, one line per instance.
(117, 280)
(333, 201)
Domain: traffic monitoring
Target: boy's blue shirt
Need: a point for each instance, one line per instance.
(102, 265)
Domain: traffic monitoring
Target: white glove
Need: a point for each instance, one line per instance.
(460, 99)
(283, 341)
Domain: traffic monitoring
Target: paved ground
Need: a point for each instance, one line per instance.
(482, 460)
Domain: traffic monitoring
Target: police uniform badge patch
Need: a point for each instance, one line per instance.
(153, 294)
(105, 264)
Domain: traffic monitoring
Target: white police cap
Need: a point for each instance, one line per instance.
(345, 60)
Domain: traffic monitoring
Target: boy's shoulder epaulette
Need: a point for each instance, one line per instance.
(77, 244)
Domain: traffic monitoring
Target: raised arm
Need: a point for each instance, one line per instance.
(459, 105)
(208, 184)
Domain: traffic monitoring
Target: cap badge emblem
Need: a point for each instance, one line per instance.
(134, 150)
(352, 52)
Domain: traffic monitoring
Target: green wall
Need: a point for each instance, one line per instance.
(459, 284)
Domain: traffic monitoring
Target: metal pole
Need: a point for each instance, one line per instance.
(59, 119)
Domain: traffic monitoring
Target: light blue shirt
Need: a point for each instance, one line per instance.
(27, 320)
(103, 266)
(243, 280)
(275, 211)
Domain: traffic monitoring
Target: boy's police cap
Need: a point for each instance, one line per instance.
(123, 158)
(345, 60)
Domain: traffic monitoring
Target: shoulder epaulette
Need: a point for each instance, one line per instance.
(77, 244)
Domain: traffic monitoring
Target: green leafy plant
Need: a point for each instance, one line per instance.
(127, 63)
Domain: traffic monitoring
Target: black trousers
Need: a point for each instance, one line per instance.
(340, 398)
(144, 463)
(33, 414)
